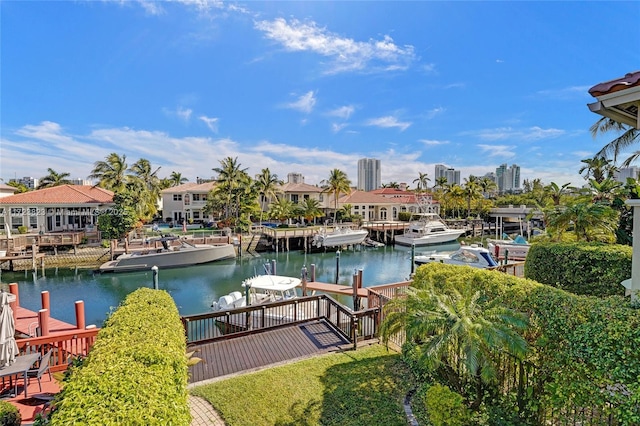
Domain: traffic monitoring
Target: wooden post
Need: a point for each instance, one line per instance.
(354, 285)
(43, 322)
(359, 278)
(34, 250)
(13, 289)
(44, 298)
(304, 281)
(313, 272)
(126, 245)
(80, 322)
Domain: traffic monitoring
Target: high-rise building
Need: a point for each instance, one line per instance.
(369, 174)
(508, 178)
(621, 175)
(29, 182)
(452, 175)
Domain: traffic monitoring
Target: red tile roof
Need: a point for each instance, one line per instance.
(363, 197)
(300, 187)
(629, 80)
(190, 187)
(63, 194)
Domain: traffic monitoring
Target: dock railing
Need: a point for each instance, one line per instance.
(225, 324)
(65, 346)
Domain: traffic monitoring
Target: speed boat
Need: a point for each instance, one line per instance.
(429, 229)
(515, 249)
(471, 255)
(263, 288)
(340, 236)
(170, 256)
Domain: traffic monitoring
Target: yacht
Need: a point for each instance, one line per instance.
(339, 237)
(471, 255)
(428, 229)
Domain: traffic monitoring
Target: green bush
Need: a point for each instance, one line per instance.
(404, 216)
(446, 407)
(9, 414)
(591, 269)
(22, 229)
(136, 373)
(583, 349)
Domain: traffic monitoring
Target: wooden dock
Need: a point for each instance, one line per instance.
(27, 323)
(329, 288)
(255, 351)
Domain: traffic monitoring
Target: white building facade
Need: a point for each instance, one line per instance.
(369, 175)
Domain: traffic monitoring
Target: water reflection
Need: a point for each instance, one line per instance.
(194, 288)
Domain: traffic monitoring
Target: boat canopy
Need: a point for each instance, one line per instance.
(271, 282)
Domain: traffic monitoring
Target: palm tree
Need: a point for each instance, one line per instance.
(588, 221)
(268, 186)
(54, 179)
(111, 173)
(605, 191)
(556, 192)
(628, 136)
(598, 168)
(176, 179)
(422, 180)
(337, 184)
(282, 209)
(310, 208)
(394, 185)
(441, 182)
(457, 334)
(488, 185)
(472, 190)
(228, 180)
(149, 185)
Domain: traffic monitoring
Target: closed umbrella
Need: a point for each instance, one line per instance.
(8, 345)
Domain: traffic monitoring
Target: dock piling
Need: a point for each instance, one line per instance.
(80, 322)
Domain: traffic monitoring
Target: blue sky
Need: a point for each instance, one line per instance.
(308, 86)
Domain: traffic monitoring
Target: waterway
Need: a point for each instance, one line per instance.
(194, 288)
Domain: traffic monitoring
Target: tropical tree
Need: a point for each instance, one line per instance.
(111, 173)
(598, 168)
(605, 191)
(20, 187)
(556, 192)
(394, 185)
(229, 178)
(176, 179)
(144, 182)
(337, 183)
(488, 185)
(628, 136)
(267, 185)
(587, 221)
(282, 209)
(441, 182)
(454, 196)
(472, 190)
(421, 180)
(310, 208)
(54, 179)
(458, 335)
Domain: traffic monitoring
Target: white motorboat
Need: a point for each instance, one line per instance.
(471, 255)
(339, 237)
(513, 249)
(170, 256)
(429, 229)
(262, 289)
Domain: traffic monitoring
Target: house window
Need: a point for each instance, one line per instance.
(321, 197)
(177, 197)
(33, 217)
(294, 198)
(2, 218)
(305, 196)
(16, 217)
(196, 197)
(187, 200)
(357, 208)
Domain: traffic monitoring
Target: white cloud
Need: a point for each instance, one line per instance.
(504, 151)
(211, 122)
(503, 133)
(343, 112)
(336, 127)
(389, 121)
(431, 142)
(181, 113)
(435, 112)
(305, 103)
(346, 54)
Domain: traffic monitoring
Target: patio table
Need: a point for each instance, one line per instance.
(20, 366)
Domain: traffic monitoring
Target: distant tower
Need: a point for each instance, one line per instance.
(295, 178)
(452, 175)
(508, 178)
(369, 174)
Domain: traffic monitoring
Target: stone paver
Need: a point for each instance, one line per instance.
(202, 413)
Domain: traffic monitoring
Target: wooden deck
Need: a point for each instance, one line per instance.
(255, 351)
(27, 321)
(329, 288)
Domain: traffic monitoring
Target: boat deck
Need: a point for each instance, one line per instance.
(252, 352)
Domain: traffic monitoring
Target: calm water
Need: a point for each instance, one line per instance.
(194, 288)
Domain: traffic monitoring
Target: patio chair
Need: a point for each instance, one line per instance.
(42, 368)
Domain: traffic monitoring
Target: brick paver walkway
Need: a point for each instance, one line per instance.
(202, 413)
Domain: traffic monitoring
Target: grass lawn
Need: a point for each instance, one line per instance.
(363, 387)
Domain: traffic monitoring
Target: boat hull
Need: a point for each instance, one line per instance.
(425, 240)
(348, 238)
(170, 259)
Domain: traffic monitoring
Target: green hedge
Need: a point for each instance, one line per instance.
(136, 373)
(591, 269)
(585, 350)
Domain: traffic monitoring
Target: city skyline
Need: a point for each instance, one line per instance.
(307, 86)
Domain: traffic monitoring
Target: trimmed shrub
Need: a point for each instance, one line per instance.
(9, 414)
(446, 407)
(583, 350)
(136, 373)
(404, 216)
(590, 269)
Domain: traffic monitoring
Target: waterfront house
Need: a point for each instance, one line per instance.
(373, 207)
(619, 100)
(186, 202)
(58, 208)
(6, 190)
(410, 201)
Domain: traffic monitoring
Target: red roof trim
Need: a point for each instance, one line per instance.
(629, 80)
